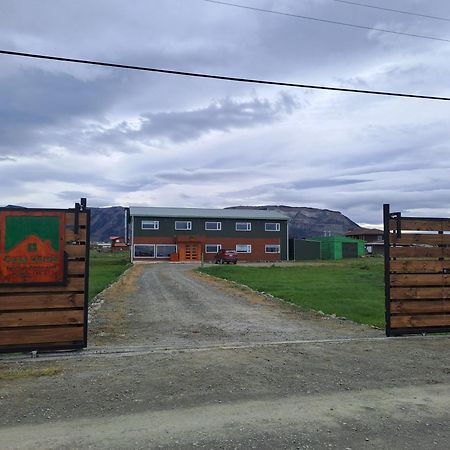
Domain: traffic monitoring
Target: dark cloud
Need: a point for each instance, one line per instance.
(41, 109)
(222, 115)
(73, 195)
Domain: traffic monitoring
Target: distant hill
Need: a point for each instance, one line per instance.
(107, 222)
(307, 222)
(304, 222)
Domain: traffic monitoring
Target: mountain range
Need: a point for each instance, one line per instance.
(304, 222)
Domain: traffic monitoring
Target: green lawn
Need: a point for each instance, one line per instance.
(104, 269)
(351, 288)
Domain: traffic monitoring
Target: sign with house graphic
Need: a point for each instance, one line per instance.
(32, 247)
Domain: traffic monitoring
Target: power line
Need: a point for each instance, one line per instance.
(409, 13)
(217, 77)
(334, 22)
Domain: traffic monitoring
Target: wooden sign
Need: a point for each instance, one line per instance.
(44, 278)
(32, 248)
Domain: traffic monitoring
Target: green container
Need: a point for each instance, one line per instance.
(339, 247)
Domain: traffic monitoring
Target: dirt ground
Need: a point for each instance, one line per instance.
(180, 360)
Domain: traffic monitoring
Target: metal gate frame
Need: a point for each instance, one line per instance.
(416, 273)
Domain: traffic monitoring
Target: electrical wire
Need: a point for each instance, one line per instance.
(400, 11)
(218, 77)
(334, 22)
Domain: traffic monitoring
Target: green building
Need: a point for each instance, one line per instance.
(339, 247)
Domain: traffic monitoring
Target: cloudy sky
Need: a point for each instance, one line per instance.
(123, 137)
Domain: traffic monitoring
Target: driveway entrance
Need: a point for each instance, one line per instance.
(175, 306)
(184, 362)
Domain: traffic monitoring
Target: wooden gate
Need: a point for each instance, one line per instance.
(417, 274)
(44, 257)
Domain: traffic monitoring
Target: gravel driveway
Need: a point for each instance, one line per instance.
(181, 361)
(172, 306)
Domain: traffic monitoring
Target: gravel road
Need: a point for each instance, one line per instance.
(174, 307)
(177, 360)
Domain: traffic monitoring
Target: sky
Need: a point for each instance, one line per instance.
(122, 137)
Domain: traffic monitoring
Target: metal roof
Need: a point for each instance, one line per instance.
(202, 213)
(367, 231)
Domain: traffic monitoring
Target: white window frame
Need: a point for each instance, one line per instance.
(218, 248)
(248, 250)
(218, 225)
(247, 224)
(273, 245)
(277, 226)
(146, 245)
(188, 222)
(164, 257)
(154, 222)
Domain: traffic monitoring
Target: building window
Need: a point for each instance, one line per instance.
(144, 251)
(212, 248)
(164, 250)
(183, 225)
(216, 226)
(272, 227)
(272, 249)
(243, 226)
(150, 225)
(243, 248)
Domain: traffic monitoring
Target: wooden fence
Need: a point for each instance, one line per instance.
(417, 274)
(51, 316)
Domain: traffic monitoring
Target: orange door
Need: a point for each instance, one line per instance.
(190, 252)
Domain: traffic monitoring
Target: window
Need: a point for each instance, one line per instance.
(212, 248)
(272, 227)
(272, 249)
(243, 226)
(213, 225)
(183, 225)
(144, 250)
(164, 250)
(243, 248)
(150, 225)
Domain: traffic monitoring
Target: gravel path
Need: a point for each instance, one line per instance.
(179, 361)
(175, 307)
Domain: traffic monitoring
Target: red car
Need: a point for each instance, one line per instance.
(226, 256)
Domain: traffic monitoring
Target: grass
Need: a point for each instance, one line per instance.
(104, 269)
(19, 373)
(351, 288)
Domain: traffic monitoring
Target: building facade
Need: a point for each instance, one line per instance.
(373, 238)
(190, 234)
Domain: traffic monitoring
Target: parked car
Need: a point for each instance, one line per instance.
(226, 256)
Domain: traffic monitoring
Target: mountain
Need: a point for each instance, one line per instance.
(304, 222)
(307, 222)
(107, 222)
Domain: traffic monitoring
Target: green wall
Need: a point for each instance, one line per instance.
(331, 246)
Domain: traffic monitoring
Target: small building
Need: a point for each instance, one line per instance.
(118, 244)
(190, 234)
(339, 247)
(304, 250)
(373, 237)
